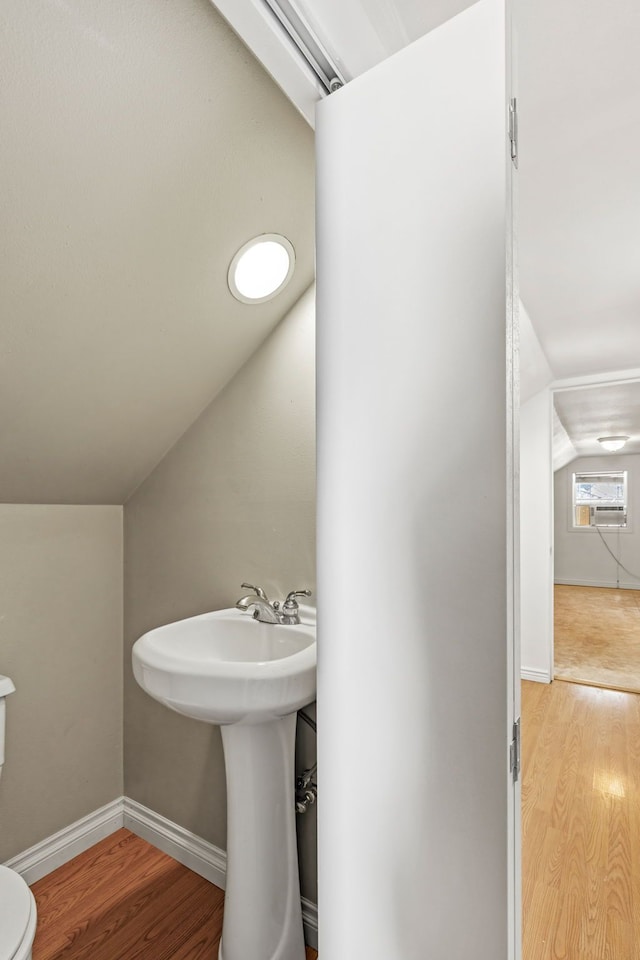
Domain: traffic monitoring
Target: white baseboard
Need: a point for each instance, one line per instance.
(611, 584)
(539, 676)
(58, 849)
(199, 855)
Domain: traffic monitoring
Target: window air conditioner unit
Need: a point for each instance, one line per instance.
(609, 516)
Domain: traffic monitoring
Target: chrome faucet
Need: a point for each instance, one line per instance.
(264, 611)
(267, 611)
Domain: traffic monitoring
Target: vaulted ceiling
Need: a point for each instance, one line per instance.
(142, 144)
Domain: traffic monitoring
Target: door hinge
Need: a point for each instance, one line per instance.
(514, 752)
(513, 130)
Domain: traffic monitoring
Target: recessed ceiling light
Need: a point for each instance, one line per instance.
(612, 443)
(261, 268)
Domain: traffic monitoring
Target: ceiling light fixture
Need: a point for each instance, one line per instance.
(261, 268)
(613, 443)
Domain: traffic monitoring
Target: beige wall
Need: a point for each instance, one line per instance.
(167, 146)
(234, 500)
(60, 642)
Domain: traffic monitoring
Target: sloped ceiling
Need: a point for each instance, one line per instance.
(563, 450)
(362, 33)
(141, 146)
(579, 202)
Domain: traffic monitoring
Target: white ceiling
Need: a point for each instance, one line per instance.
(141, 146)
(605, 411)
(579, 204)
(362, 33)
(579, 210)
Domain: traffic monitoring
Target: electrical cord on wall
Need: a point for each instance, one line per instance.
(617, 560)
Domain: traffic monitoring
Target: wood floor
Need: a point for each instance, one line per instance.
(597, 636)
(581, 823)
(125, 900)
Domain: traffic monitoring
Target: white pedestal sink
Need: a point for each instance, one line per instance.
(250, 678)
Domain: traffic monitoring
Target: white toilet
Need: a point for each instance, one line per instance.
(17, 906)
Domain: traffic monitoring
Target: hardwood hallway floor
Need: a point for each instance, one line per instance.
(580, 823)
(125, 900)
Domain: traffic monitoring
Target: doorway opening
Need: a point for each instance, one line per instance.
(580, 786)
(596, 497)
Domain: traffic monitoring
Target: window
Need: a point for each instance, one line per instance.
(599, 500)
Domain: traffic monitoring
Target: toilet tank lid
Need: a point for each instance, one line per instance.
(6, 686)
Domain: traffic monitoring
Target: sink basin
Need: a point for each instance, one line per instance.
(227, 668)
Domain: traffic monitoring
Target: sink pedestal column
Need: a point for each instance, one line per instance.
(262, 913)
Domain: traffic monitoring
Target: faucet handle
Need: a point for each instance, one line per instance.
(290, 611)
(257, 590)
(291, 597)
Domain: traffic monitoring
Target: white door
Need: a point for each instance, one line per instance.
(417, 815)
